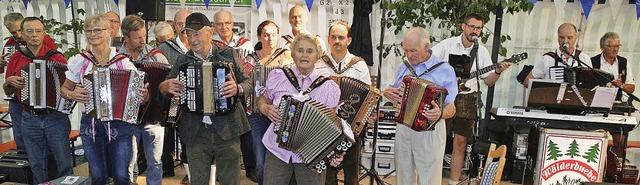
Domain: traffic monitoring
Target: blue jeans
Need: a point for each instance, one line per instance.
(47, 132)
(152, 136)
(99, 150)
(15, 111)
(259, 125)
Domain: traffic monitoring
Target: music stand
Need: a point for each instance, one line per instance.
(461, 65)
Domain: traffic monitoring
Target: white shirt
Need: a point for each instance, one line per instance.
(181, 45)
(247, 46)
(613, 69)
(74, 66)
(285, 44)
(358, 71)
(541, 68)
(454, 46)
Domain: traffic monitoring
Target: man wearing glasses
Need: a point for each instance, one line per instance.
(462, 123)
(45, 130)
(114, 23)
(223, 23)
(609, 61)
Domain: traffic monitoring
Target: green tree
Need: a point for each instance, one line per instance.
(58, 32)
(573, 149)
(552, 151)
(592, 154)
(450, 13)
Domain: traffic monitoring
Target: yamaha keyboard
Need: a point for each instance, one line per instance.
(522, 117)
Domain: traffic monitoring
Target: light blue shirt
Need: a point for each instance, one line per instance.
(443, 75)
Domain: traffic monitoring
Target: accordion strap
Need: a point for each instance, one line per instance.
(413, 71)
(352, 62)
(255, 57)
(90, 58)
(288, 38)
(174, 45)
(294, 81)
(26, 52)
(276, 54)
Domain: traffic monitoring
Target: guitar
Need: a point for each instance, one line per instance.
(469, 85)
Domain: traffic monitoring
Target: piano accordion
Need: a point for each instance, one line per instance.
(43, 80)
(311, 131)
(357, 99)
(259, 76)
(155, 73)
(417, 95)
(114, 94)
(203, 93)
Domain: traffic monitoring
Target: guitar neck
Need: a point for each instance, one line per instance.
(483, 70)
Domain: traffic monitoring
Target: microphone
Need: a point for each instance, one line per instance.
(565, 48)
(475, 40)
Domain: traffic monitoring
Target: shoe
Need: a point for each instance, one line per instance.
(253, 176)
(185, 180)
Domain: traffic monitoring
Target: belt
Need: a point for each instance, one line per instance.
(40, 111)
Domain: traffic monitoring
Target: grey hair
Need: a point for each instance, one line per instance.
(163, 28)
(421, 33)
(12, 18)
(607, 36)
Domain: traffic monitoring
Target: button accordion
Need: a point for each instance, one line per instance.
(357, 99)
(311, 131)
(43, 80)
(114, 94)
(417, 95)
(203, 93)
(258, 79)
(155, 73)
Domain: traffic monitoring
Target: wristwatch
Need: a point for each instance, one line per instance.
(240, 90)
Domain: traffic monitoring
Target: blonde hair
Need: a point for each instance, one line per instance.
(98, 20)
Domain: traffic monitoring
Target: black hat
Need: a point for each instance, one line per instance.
(196, 21)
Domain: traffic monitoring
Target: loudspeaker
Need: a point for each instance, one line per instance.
(517, 171)
(148, 10)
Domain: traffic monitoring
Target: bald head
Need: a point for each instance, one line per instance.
(179, 20)
(415, 44)
(298, 18)
(567, 35)
(223, 22)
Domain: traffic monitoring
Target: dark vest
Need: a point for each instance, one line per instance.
(622, 65)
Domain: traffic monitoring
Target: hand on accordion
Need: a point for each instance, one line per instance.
(79, 94)
(393, 94)
(336, 159)
(172, 86)
(16, 81)
(230, 87)
(434, 113)
(143, 93)
(272, 112)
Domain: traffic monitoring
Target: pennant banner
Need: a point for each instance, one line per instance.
(206, 3)
(309, 4)
(67, 2)
(586, 7)
(26, 3)
(637, 9)
(534, 5)
(232, 2)
(259, 2)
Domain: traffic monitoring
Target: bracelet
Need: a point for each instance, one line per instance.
(496, 71)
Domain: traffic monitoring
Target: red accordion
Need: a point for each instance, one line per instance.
(113, 93)
(155, 73)
(43, 80)
(417, 95)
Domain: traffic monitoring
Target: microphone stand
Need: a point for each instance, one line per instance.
(479, 105)
(625, 133)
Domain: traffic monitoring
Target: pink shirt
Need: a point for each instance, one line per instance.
(278, 85)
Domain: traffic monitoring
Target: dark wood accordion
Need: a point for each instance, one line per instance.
(203, 93)
(114, 94)
(155, 73)
(311, 131)
(259, 76)
(43, 80)
(417, 95)
(357, 99)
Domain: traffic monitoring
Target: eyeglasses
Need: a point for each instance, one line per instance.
(34, 31)
(225, 23)
(473, 27)
(114, 21)
(179, 23)
(614, 46)
(95, 31)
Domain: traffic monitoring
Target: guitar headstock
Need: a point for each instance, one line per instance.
(518, 57)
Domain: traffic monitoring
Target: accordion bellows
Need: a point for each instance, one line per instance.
(114, 94)
(203, 93)
(259, 76)
(43, 80)
(357, 99)
(311, 131)
(156, 73)
(417, 95)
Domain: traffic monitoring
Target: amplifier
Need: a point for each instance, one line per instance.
(516, 172)
(385, 164)
(17, 169)
(386, 131)
(630, 175)
(382, 146)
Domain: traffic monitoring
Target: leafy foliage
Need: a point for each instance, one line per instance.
(568, 181)
(55, 28)
(424, 13)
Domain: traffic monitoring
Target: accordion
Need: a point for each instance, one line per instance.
(113, 93)
(358, 100)
(155, 73)
(258, 79)
(43, 80)
(417, 95)
(311, 131)
(203, 93)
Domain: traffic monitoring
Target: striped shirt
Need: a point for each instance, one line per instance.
(278, 85)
